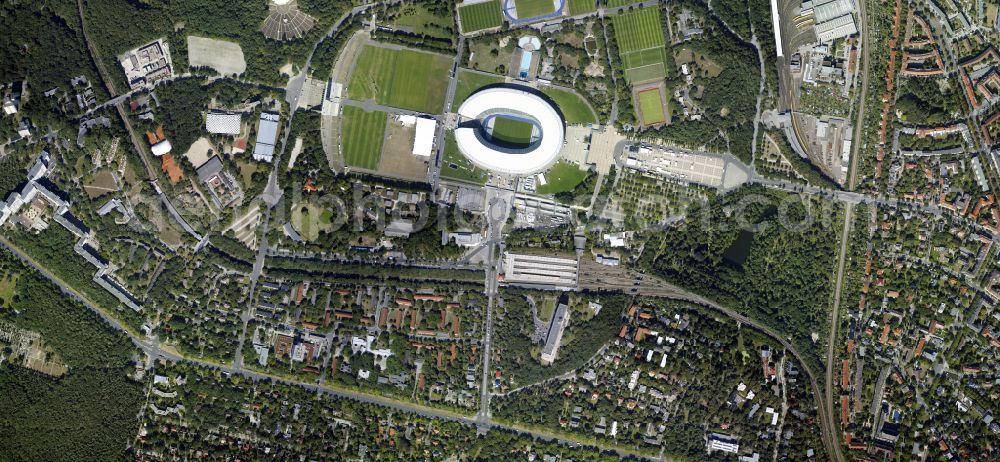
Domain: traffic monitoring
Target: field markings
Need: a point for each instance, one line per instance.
(479, 16)
(363, 137)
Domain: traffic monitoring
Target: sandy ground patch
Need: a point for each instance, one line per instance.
(397, 153)
(103, 183)
(287, 69)
(170, 237)
(197, 154)
(225, 57)
(295, 152)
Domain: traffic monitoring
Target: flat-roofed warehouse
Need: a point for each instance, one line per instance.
(540, 271)
(836, 28)
(267, 137)
(826, 10)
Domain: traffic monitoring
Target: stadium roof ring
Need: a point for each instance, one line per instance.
(477, 140)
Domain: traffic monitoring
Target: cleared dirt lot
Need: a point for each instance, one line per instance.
(197, 154)
(397, 153)
(225, 57)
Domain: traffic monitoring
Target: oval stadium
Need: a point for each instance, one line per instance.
(509, 130)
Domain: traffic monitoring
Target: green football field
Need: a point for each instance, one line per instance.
(638, 30)
(530, 8)
(582, 7)
(480, 16)
(406, 79)
(651, 107)
(511, 131)
(362, 137)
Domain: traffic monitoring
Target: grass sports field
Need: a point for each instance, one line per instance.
(574, 108)
(511, 131)
(469, 82)
(530, 8)
(641, 44)
(651, 107)
(405, 79)
(362, 137)
(455, 166)
(562, 177)
(480, 16)
(582, 7)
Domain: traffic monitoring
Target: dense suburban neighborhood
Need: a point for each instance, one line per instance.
(556, 230)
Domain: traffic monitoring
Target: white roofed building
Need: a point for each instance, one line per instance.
(161, 148)
(221, 123)
(267, 137)
(475, 114)
(539, 270)
(840, 27)
(423, 139)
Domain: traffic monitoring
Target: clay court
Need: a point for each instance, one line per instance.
(225, 57)
(171, 168)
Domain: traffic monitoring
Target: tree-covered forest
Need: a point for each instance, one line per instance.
(582, 338)
(43, 44)
(87, 414)
(926, 101)
(238, 21)
(729, 99)
(766, 254)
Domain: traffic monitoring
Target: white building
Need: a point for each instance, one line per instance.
(559, 320)
(486, 104)
(267, 137)
(161, 148)
(724, 443)
(840, 27)
(537, 270)
(423, 139)
(221, 123)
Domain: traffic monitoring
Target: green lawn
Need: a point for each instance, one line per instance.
(362, 137)
(582, 6)
(574, 108)
(530, 8)
(480, 16)
(405, 79)
(424, 21)
(651, 107)
(469, 82)
(511, 131)
(562, 177)
(456, 167)
(8, 282)
(309, 219)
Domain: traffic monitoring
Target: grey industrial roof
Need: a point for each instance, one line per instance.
(210, 168)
